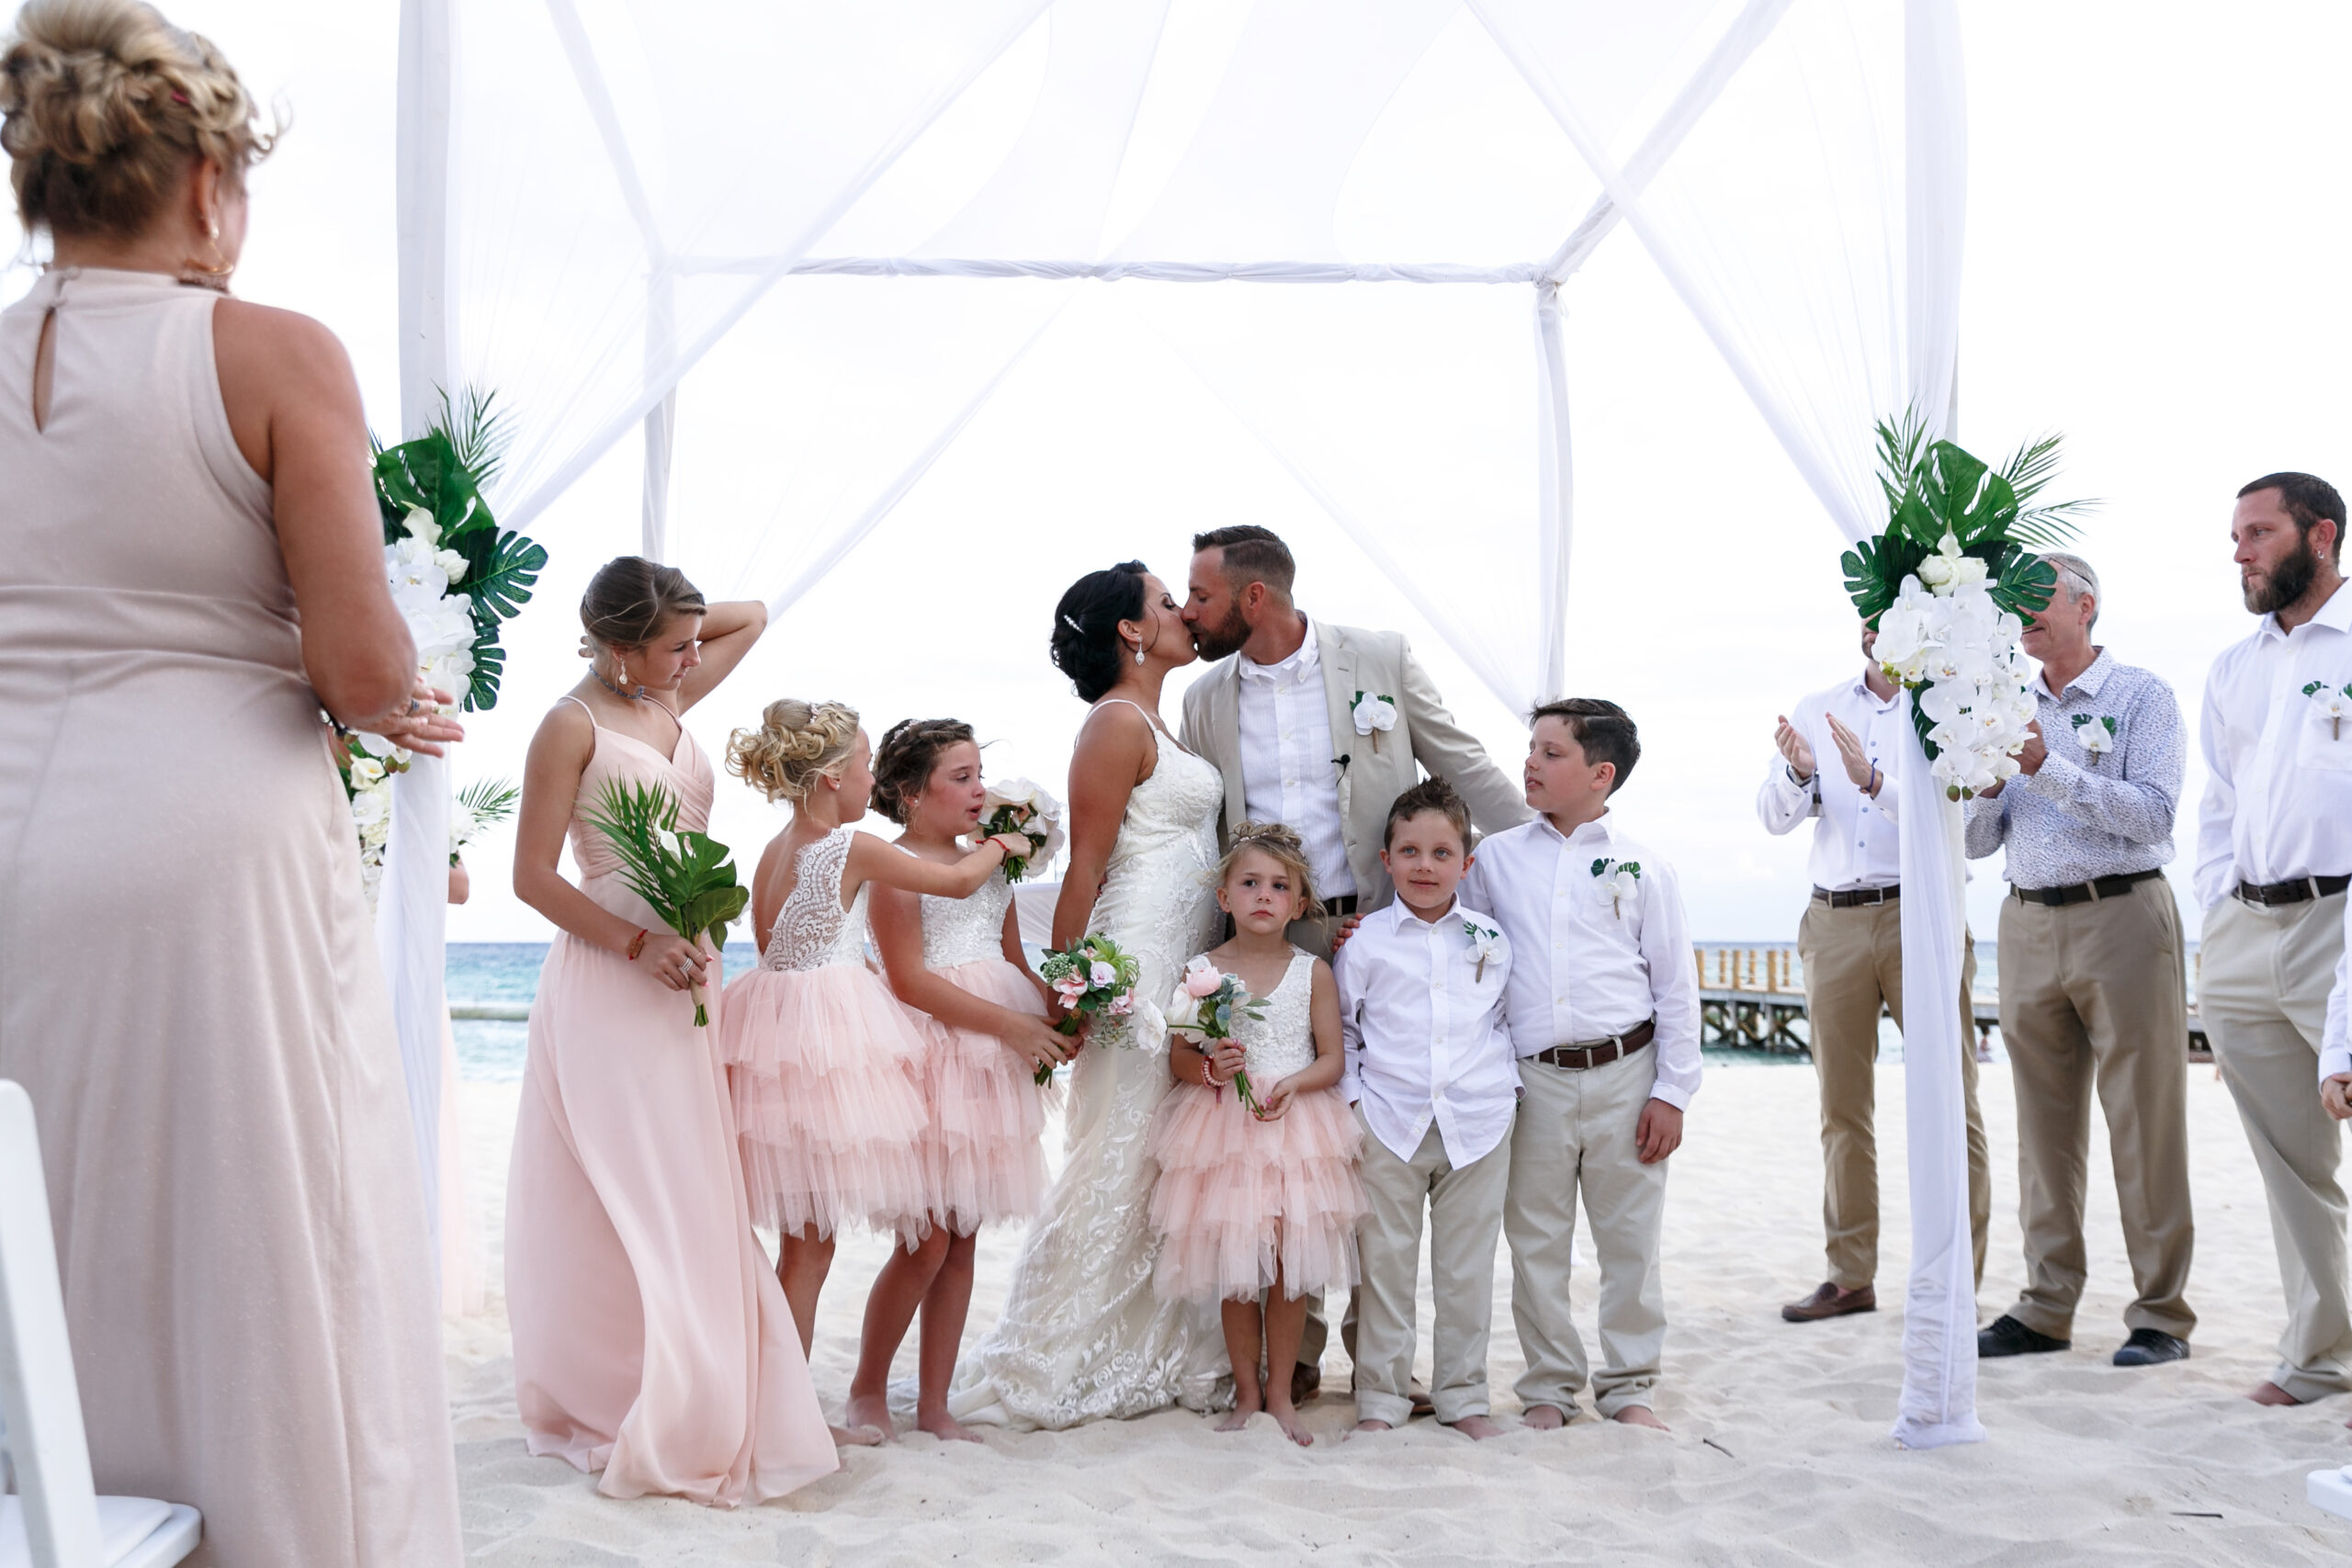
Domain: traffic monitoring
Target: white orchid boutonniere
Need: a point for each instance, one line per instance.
(2333, 706)
(2094, 733)
(1374, 712)
(1616, 881)
(1484, 940)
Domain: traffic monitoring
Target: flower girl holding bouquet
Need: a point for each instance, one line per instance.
(1258, 1196)
(827, 1066)
(958, 963)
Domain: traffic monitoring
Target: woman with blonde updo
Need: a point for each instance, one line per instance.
(191, 568)
(827, 1065)
(650, 1341)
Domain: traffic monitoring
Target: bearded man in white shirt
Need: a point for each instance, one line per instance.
(1603, 1012)
(1318, 727)
(1832, 771)
(2274, 857)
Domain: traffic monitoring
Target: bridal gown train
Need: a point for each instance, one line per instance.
(1083, 1336)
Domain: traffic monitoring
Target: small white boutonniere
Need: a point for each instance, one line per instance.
(1374, 712)
(1483, 940)
(2094, 733)
(2333, 706)
(1615, 881)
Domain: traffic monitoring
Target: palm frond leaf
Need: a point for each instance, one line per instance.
(490, 800)
(478, 432)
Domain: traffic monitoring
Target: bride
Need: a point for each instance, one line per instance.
(1083, 1336)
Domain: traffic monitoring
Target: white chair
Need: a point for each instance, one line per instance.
(54, 1521)
(2330, 1490)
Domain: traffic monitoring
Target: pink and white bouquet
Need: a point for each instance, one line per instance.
(1016, 805)
(1206, 1001)
(1094, 978)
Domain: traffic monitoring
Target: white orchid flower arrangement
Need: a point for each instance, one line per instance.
(2335, 706)
(1617, 882)
(1947, 586)
(2094, 733)
(1485, 941)
(1374, 713)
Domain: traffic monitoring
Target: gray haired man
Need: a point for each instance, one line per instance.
(2093, 991)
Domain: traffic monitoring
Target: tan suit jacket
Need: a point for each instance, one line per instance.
(1371, 776)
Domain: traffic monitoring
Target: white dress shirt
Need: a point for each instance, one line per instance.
(1424, 1031)
(1290, 771)
(1855, 841)
(2278, 803)
(1585, 970)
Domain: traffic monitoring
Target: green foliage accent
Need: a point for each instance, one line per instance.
(687, 877)
(490, 800)
(443, 472)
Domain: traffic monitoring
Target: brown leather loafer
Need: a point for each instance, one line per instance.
(1830, 1302)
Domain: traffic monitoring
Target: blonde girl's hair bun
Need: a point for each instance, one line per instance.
(796, 743)
(103, 105)
(1287, 848)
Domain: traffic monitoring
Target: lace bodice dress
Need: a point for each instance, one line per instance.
(1083, 1336)
(826, 1066)
(986, 1152)
(1235, 1195)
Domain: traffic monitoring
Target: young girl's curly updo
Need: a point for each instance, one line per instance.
(902, 763)
(797, 741)
(106, 104)
(1285, 848)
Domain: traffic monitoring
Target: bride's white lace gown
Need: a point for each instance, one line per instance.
(1081, 1335)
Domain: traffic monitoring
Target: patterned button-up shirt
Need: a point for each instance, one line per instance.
(2089, 813)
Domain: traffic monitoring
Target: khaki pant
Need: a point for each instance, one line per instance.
(2094, 994)
(1465, 1209)
(1576, 1134)
(1853, 965)
(2262, 991)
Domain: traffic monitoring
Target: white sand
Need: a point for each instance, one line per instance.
(1780, 1451)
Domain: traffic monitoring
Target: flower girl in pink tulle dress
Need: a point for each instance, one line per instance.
(958, 965)
(827, 1067)
(1258, 1195)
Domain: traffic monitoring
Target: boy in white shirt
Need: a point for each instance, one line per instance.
(1430, 1072)
(1604, 1017)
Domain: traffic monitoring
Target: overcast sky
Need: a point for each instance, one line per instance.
(2154, 268)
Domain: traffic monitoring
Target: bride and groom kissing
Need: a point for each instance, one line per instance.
(1316, 726)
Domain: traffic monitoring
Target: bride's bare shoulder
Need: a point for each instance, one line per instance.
(1115, 739)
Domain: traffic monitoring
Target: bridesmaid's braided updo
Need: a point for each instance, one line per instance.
(902, 763)
(796, 743)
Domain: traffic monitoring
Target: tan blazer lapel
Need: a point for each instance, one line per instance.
(1224, 737)
(1338, 660)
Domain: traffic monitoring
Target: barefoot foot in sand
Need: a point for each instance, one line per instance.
(1543, 1417)
(854, 1437)
(1641, 1415)
(1240, 1415)
(1478, 1427)
(2271, 1393)
(1368, 1425)
(944, 1426)
(1286, 1417)
(870, 1410)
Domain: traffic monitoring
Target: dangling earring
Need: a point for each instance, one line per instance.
(1138, 653)
(215, 277)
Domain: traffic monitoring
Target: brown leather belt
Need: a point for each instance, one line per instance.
(1855, 898)
(1599, 1053)
(2088, 892)
(2302, 890)
(1345, 904)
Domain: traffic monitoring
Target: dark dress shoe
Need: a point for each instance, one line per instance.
(1830, 1302)
(1305, 1382)
(2008, 1336)
(2151, 1347)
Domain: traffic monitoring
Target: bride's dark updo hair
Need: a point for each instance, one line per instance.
(1086, 644)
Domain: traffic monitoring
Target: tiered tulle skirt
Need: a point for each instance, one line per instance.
(1235, 1194)
(827, 1070)
(984, 1154)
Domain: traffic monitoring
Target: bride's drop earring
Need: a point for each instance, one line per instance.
(1138, 653)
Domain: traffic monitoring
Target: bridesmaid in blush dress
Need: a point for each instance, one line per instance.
(652, 1342)
(191, 567)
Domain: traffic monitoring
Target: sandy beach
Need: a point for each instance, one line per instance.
(1780, 1451)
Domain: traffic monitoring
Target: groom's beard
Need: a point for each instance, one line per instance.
(1227, 637)
(2285, 583)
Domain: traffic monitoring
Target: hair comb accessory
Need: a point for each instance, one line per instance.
(1073, 625)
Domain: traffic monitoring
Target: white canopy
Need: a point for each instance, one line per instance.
(885, 206)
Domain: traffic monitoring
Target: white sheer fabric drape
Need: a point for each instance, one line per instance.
(890, 205)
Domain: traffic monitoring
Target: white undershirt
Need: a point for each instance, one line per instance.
(1289, 773)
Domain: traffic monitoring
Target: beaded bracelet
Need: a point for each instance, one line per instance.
(638, 945)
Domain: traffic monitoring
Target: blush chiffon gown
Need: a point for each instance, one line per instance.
(189, 990)
(652, 1340)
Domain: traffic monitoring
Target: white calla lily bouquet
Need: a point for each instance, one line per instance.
(1016, 805)
(1946, 586)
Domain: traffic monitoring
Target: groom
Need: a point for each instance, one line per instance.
(1320, 728)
